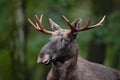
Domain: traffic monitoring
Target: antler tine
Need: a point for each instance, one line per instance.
(69, 23)
(39, 26)
(35, 26)
(86, 27)
(100, 23)
(39, 21)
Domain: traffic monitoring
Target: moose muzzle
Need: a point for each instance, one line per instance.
(44, 59)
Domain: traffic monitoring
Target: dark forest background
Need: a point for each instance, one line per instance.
(20, 43)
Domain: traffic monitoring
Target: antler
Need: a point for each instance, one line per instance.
(38, 25)
(86, 27)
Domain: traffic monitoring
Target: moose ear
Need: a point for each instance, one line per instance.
(54, 26)
(76, 23)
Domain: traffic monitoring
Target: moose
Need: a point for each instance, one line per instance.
(62, 52)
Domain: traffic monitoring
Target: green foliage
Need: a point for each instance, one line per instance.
(5, 66)
(113, 40)
(3, 25)
(114, 30)
(72, 9)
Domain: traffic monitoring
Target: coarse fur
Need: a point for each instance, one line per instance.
(62, 52)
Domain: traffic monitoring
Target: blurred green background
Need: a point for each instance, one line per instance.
(20, 43)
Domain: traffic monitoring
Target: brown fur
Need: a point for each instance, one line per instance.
(78, 68)
(62, 52)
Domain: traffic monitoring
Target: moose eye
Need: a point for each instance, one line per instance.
(66, 41)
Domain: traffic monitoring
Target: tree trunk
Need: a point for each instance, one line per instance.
(96, 51)
(112, 57)
(17, 39)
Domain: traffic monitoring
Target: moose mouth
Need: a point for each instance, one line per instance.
(44, 59)
(46, 62)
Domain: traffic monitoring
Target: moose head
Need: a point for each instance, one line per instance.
(61, 46)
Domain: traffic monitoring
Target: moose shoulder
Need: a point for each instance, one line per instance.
(62, 52)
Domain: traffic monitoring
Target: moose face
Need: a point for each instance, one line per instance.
(61, 45)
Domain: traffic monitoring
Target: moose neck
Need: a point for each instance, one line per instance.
(61, 70)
